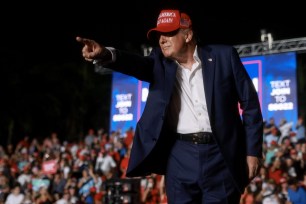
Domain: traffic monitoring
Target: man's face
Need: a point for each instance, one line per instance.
(173, 44)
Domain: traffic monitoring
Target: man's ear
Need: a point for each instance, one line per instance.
(188, 36)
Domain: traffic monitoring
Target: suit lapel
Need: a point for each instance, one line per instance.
(208, 71)
(170, 76)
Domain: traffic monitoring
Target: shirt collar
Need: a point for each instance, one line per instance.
(195, 57)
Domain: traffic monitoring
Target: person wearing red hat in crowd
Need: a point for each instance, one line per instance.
(191, 129)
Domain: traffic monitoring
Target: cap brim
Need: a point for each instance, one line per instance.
(167, 29)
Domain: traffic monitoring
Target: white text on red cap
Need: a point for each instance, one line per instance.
(162, 19)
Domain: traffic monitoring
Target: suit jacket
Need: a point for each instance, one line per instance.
(226, 83)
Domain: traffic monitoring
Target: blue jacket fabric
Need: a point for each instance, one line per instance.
(226, 83)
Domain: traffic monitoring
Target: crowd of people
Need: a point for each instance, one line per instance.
(63, 172)
(57, 171)
(282, 178)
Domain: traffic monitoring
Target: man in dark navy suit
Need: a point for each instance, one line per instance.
(191, 129)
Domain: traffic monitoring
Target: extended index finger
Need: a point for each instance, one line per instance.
(83, 40)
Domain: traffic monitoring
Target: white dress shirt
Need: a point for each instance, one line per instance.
(188, 109)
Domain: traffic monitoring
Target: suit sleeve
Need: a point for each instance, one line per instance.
(140, 67)
(249, 103)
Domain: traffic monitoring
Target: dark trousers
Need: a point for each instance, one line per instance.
(196, 174)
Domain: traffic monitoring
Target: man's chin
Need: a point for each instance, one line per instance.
(167, 54)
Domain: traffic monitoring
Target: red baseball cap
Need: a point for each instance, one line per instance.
(170, 20)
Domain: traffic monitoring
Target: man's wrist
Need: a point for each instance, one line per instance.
(106, 57)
